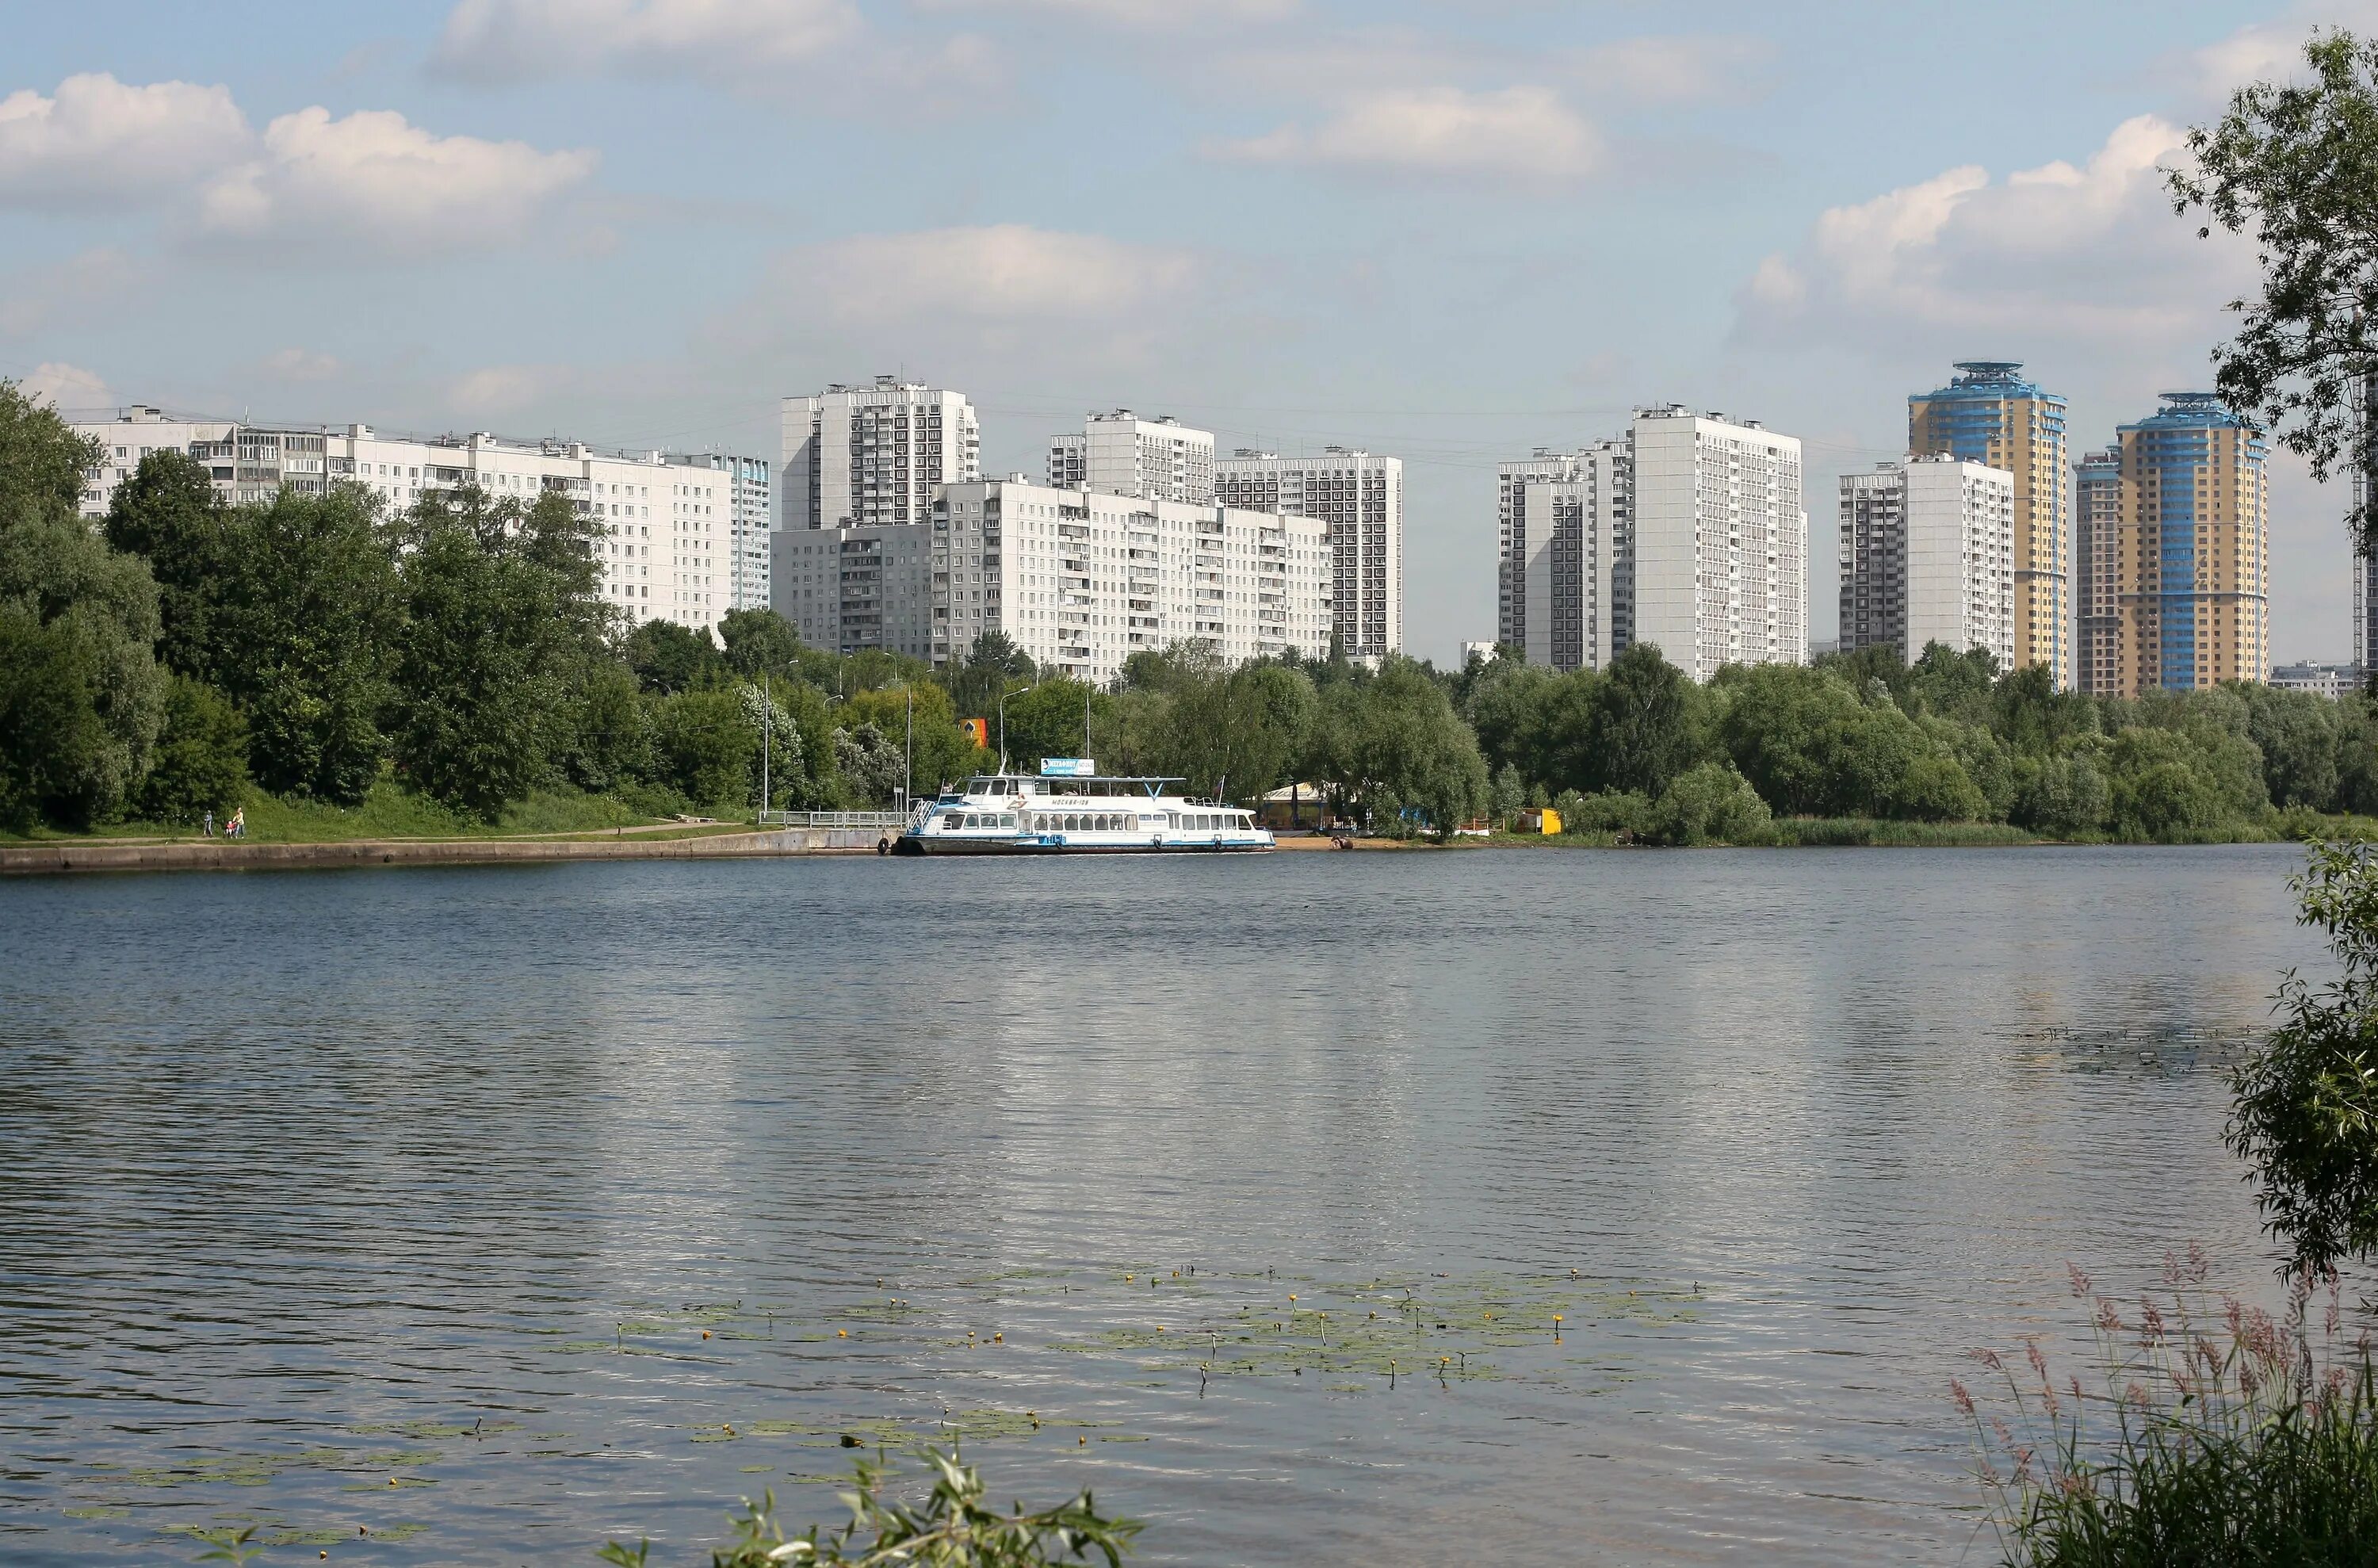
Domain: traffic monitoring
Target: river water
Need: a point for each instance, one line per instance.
(497, 1212)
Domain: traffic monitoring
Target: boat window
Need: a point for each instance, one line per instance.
(1008, 819)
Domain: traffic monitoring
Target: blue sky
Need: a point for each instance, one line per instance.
(1447, 232)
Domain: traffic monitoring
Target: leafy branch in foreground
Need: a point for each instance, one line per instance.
(2306, 1113)
(954, 1528)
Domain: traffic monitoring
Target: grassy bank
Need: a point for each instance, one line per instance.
(391, 811)
(1826, 832)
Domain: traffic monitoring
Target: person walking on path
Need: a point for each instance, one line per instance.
(237, 827)
(207, 828)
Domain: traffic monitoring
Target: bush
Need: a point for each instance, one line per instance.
(1609, 813)
(1709, 802)
(706, 747)
(2063, 797)
(201, 761)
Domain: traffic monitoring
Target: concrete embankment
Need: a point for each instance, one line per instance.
(22, 860)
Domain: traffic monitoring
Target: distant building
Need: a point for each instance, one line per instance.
(1484, 653)
(1989, 413)
(1078, 580)
(1688, 532)
(864, 456)
(1361, 496)
(2332, 681)
(2190, 578)
(2097, 570)
(750, 523)
(1927, 556)
(1562, 522)
(1121, 454)
(665, 524)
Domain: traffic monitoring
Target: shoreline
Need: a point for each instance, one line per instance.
(84, 855)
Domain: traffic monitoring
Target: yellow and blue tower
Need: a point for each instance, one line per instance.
(1989, 413)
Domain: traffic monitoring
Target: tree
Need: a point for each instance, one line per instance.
(2297, 733)
(2306, 1111)
(915, 720)
(201, 760)
(2298, 165)
(2159, 791)
(1396, 736)
(872, 763)
(757, 642)
(2063, 797)
(668, 657)
(1708, 803)
(1047, 721)
(169, 513)
(1953, 685)
(707, 746)
(81, 694)
(503, 634)
(1643, 734)
(1509, 795)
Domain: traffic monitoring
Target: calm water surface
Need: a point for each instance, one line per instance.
(404, 1200)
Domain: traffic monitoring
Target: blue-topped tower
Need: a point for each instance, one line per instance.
(1990, 414)
(2194, 572)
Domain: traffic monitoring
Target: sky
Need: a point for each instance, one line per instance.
(1447, 232)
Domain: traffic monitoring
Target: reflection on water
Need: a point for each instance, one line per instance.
(494, 1211)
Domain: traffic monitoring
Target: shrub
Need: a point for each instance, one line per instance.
(2064, 797)
(1708, 802)
(201, 761)
(706, 747)
(1608, 813)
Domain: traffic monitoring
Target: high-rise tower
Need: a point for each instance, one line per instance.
(1989, 413)
(2193, 569)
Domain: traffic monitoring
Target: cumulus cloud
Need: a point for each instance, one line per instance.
(1000, 273)
(2087, 252)
(500, 40)
(67, 387)
(501, 389)
(1523, 133)
(1673, 68)
(98, 139)
(374, 176)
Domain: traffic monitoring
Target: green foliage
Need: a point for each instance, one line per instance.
(1396, 735)
(758, 641)
(612, 744)
(872, 764)
(955, 1527)
(502, 634)
(916, 714)
(1811, 746)
(2292, 162)
(201, 762)
(1508, 796)
(2063, 797)
(2306, 1111)
(1046, 720)
(1248, 728)
(81, 694)
(668, 657)
(1952, 686)
(706, 745)
(996, 664)
(2297, 733)
(235, 1546)
(2219, 1438)
(1616, 813)
(1708, 803)
(1644, 733)
(290, 609)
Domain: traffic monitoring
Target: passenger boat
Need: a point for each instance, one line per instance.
(1069, 808)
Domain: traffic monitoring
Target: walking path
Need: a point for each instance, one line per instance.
(218, 854)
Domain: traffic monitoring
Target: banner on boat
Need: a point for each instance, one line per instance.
(1068, 768)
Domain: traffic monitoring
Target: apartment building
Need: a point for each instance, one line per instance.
(750, 523)
(1720, 541)
(1562, 522)
(1360, 496)
(1079, 580)
(872, 455)
(1989, 413)
(2334, 681)
(2097, 570)
(1121, 454)
(1927, 556)
(1687, 532)
(665, 523)
(2190, 573)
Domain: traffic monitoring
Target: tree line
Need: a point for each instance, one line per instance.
(313, 647)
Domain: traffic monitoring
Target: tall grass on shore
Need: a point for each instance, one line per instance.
(2217, 1435)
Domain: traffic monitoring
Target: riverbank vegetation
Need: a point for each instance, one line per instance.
(337, 672)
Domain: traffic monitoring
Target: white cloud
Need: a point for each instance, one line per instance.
(301, 365)
(1673, 68)
(67, 387)
(375, 178)
(101, 141)
(2060, 252)
(1518, 132)
(1166, 15)
(500, 40)
(1002, 273)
